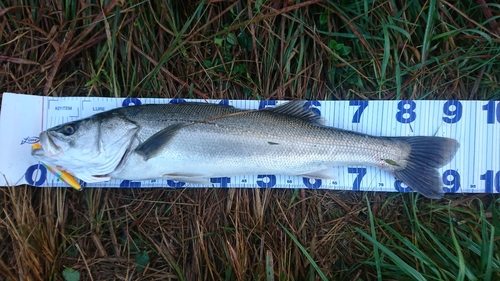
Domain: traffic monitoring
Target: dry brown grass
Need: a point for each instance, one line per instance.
(188, 234)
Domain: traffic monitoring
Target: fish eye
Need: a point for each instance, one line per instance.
(68, 130)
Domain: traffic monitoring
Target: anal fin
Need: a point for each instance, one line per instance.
(326, 173)
(189, 178)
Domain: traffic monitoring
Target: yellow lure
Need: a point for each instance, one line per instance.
(60, 174)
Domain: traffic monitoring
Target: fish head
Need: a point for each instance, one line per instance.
(90, 148)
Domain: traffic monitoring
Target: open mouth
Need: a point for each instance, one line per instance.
(50, 148)
(36, 149)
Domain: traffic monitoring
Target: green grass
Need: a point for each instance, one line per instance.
(249, 50)
(456, 252)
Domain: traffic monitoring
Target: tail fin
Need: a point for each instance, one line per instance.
(426, 156)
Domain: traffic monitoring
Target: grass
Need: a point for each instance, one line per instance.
(249, 50)
(457, 252)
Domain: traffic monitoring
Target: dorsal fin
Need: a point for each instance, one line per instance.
(298, 109)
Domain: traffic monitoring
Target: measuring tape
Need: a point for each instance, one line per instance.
(475, 124)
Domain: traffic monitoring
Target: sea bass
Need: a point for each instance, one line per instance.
(192, 142)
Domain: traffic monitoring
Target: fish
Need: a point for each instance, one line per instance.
(193, 142)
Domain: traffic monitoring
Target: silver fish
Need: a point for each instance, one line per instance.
(192, 142)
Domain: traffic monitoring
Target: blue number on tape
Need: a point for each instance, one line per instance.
(266, 180)
(357, 181)
(406, 113)
(224, 102)
(311, 183)
(177, 100)
(491, 180)
(127, 183)
(172, 183)
(453, 111)
(82, 183)
(131, 102)
(362, 105)
(222, 181)
(451, 178)
(266, 103)
(37, 170)
(398, 185)
(490, 111)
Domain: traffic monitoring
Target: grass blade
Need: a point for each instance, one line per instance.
(410, 271)
(306, 254)
(378, 262)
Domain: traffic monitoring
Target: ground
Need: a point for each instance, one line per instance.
(221, 49)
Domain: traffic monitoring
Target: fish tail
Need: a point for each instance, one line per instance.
(426, 156)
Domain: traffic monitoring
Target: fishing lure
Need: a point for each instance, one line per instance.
(60, 174)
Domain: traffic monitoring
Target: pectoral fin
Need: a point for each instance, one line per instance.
(156, 142)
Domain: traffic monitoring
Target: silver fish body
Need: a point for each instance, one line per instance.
(192, 142)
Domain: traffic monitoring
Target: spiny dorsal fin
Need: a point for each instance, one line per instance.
(298, 109)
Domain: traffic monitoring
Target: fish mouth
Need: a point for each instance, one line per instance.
(47, 147)
(39, 152)
(36, 149)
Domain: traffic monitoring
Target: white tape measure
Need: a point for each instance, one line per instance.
(475, 124)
